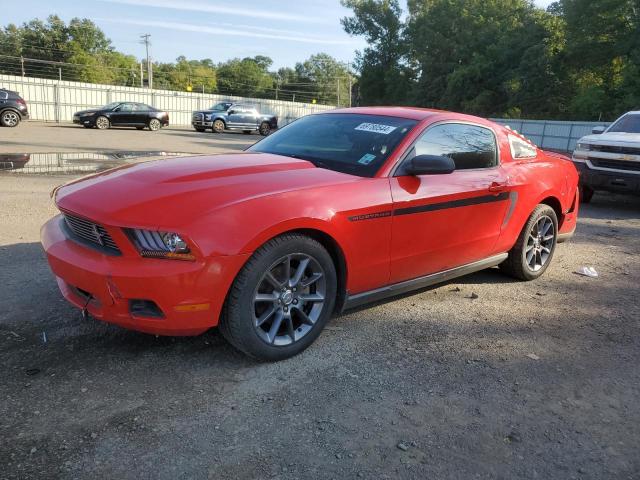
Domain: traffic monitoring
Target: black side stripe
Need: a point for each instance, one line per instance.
(465, 202)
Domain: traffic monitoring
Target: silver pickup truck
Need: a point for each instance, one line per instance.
(609, 159)
(233, 116)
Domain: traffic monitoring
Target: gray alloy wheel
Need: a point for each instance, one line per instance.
(154, 125)
(265, 129)
(289, 299)
(102, 123)
(10, 119)
(534, 248)
(540, 243)
(218, 126)
(281, 299)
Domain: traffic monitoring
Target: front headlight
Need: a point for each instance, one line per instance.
(583, 146)
(153, 244)
(89, 114)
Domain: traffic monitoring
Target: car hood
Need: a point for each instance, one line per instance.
(612, 138)
(90, 110)
(177, 191)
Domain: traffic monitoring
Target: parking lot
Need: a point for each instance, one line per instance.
(484, 377)
(39, 137)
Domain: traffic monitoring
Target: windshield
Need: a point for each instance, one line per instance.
(220, 107)
(350, 143)
(111, 106)
(629, 123)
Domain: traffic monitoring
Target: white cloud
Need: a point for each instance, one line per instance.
(190, 27)
(227, 10)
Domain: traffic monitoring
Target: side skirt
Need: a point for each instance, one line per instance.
(358, 299)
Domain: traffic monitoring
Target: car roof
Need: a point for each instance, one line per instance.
(417, 113)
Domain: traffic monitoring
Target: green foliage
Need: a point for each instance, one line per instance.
(247, 77)
(578, 59)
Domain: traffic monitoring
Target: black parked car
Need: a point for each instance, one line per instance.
(122, 114)
(234, 116)
(13, 109)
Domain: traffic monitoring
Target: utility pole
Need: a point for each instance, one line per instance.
(22, 65)
(338, 82)
(141, 76)
(145, 40)
(350, 86)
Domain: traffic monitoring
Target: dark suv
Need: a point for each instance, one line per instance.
(233, 116)
(13, 109)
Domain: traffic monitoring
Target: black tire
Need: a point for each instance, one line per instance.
(518, 264)
(154, 124)
(265, 129)
(586, 194)
(102, 123)
(218, 126)
(10, 118)
(200, 130)
(239, 323)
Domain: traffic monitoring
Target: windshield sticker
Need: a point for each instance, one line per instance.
(376, 128)
(366, 159)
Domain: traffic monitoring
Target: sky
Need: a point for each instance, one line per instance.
(288, 31)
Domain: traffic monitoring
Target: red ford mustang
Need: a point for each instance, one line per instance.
(333, 211)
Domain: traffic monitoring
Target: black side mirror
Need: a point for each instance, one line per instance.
(598, 130)
(430, 165)
(231, 112)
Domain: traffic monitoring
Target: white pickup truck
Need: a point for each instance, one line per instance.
(609, 159)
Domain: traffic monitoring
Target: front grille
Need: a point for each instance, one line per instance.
(615, 164)
(90, 232)
(198, 117)
(616, 149)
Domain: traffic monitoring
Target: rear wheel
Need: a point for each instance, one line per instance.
(102, 123)
(281, 300)
(265, 129)
(154, 125)
(9, 118)
(218, 126)
(531, 255)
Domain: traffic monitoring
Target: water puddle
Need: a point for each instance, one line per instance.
(62, 163)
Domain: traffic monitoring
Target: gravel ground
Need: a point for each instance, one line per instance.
(528, 380)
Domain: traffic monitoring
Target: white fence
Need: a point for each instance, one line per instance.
(552, 134)
(56, 101)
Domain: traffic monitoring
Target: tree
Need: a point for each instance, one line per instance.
(384, 73)
(248, 77)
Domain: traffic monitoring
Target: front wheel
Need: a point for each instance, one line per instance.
(281, 299)
(218, 126)
(586, 194)
(265, 129)
(531, 255)
(9, 119)
(102, 123)
(154, 125)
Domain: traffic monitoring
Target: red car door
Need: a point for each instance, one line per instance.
(448, 220)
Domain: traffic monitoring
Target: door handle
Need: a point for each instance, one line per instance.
(497, 187)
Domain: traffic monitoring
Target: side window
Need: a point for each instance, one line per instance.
(125, 107)
(469, 146)
(520, 148)
(141, 107)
